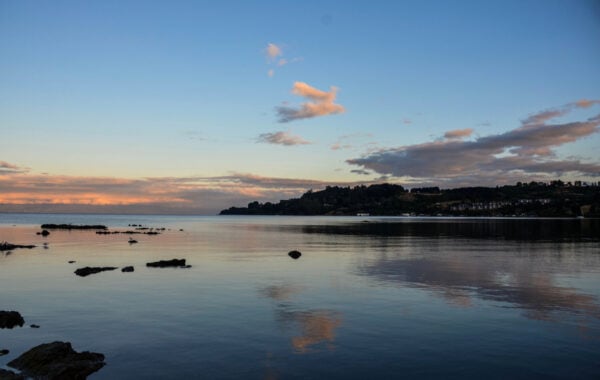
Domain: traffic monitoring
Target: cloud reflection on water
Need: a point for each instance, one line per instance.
(315, 326)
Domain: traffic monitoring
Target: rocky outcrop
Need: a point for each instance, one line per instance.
(86, 271)
(127, 269)
(10, 319)
(167, 263)
(58, 360)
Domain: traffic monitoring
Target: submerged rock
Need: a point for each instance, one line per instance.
(86, 271)
(6, 246)
(127, 269)
(294, 254)
(10, 319)
(34, 326)
(132, 241)
(167, 263)
(72, 261)
(4, 352)
(73, 227)
(58, 360)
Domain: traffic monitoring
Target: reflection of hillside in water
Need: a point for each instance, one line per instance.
(315, 326)
(508, 229)
(460, 278)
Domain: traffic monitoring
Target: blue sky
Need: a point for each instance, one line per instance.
(126, 91)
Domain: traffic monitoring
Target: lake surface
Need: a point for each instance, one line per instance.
(369, 298)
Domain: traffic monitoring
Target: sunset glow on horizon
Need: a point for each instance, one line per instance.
(193, 107)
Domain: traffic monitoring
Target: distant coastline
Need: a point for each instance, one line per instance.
(533, 199)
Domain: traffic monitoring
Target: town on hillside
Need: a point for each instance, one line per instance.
(524, 199)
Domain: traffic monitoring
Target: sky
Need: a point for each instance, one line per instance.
(196, 106)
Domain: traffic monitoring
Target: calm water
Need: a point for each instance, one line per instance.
(387, 298)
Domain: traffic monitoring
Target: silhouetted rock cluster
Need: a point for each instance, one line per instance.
(86, 271)
(43, 233)
(180, 263)
(10, 319)
(73, 227)
(127, 269)
(128, 232)
(57, 360)
(6, 246)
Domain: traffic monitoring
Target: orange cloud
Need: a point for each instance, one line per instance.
(273, 51)
(321, 104)
(23, 192)
(585, 103)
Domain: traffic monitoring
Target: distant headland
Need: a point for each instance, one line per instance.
(533, 199)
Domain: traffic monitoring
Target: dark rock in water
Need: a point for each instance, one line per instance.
(185, 266)
(86, 271)
(34, 326)
(132, 241)
(73, 227)
(4, 352)
(58, 360)
(167, 263)
(10, 375)
(45, 233)
(127, 269)
(294, 254)
(6, 246)
(10, 319)
(72, 261)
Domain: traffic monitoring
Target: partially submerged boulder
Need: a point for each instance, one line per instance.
(86, 271)
(127, 269)
(58, 360)
(10, 319)
(294, 254)
(167, 263)
(4, 352)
